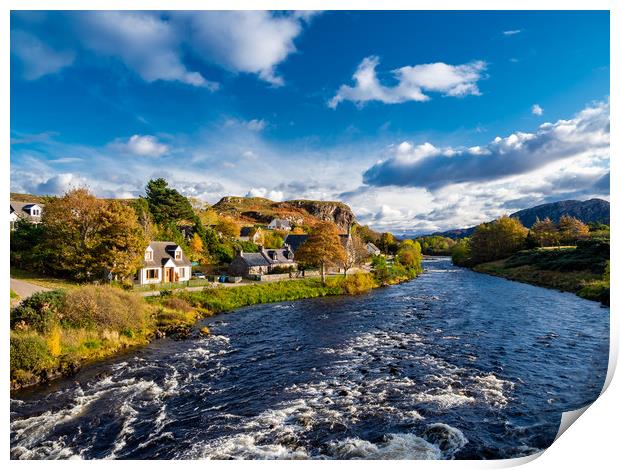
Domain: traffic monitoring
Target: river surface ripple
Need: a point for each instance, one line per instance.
(454, 364)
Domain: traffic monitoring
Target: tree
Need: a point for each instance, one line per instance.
(497, 239)
(572, 230)
(322, 248)
(461, 253)
(410, 255)
(167, 204)
(272, 239)
(356, 254)
(387, 243)
(87, 237)
(227, 227)
(544, 233)
(197, 246)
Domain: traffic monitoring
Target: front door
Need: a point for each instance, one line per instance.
(169, 274)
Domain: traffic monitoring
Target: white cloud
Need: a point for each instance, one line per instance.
(60, 183)
(413, 82)
(246, 41)
(511, 32)
(144, 42)
(37, 58)
(537, 110)
(263, 192)
(257, 124)
(145, 146)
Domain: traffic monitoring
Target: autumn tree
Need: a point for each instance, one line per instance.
(497, 239)
(356, 254)
(89, 237)
(572, 230)
(461, 252)
(196, 246)
(227, 227)
(387, 243)
(544, 233)
(409, 254)
(322, 248)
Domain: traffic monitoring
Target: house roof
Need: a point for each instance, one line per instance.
(248, 231)
(281, 222)
(372, 246)
(164, 251)
(295, 240)
(22, 209)
(265, 257)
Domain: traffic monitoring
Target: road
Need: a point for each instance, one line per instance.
(25, 289)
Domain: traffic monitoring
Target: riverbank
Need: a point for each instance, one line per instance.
(55, 333)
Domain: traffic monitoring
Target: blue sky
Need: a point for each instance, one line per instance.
(421, 121)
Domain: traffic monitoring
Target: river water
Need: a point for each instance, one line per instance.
(454, 364)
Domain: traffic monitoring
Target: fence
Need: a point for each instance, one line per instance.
(171, 285)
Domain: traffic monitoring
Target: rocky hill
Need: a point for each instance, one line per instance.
(592, 210)
(257, 210)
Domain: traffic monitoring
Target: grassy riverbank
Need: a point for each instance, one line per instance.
(54, 333)
(583, 270)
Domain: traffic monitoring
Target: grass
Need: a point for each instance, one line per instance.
(42, 280)
(171, 285)
(14, 295)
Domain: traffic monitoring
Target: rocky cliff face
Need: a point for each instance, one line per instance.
(332, 211)
(307, 212)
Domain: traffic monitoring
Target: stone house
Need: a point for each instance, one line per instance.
(263, 262)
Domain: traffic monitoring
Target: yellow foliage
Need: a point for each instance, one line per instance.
(53, 341)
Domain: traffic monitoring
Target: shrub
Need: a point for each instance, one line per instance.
(53, 341)
(358, 283)
(175, 303)
(104, 307)
(29, 352)
(40, 311)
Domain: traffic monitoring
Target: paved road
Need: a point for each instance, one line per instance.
(25, 289)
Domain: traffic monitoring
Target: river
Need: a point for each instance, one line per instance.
(454, 364)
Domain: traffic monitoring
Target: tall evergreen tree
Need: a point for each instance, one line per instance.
(167, 204)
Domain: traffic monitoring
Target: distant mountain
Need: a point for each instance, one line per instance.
(592, 210)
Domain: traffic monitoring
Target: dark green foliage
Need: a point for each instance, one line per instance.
(39, 311)
(589, 255)
(27, 250)
(29, 352)
(461, 253)
(167, 204)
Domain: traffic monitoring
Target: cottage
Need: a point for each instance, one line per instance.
(28, 211)
(251, 234)
(279, 224)
(372, 249)
(264, 262)
(164, 262)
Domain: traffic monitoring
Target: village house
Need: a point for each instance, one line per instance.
(28, 211)
(372, 249)
(266, 261)
(164, 262)
(251, 234)
(279, 224)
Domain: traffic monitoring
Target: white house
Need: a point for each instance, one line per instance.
(279, 224)
(164, 262)
(372, 249)
(29, 211)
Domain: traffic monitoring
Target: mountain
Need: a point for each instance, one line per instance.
(592, 210)
(301, 211)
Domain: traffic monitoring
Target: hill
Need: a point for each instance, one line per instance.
(257, 210)
(592, 210)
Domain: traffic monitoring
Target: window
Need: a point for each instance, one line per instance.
(181, 272)
(177, 254)
(149, 255)
(152, 273)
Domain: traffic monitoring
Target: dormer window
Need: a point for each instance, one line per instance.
(148, 255)
(177, 254)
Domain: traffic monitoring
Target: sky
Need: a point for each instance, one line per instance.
(420, 121)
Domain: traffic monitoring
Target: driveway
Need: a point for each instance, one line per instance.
(25, 289)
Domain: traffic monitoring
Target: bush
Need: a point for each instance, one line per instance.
(29, 352)
(358, 283)
(104, 307)
(40, 311)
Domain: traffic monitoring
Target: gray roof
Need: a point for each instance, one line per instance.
(281, 222)
(295, 240)
(265, 257)
(21, 209)
(248, 231)
(164, 251)
(372, 246)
